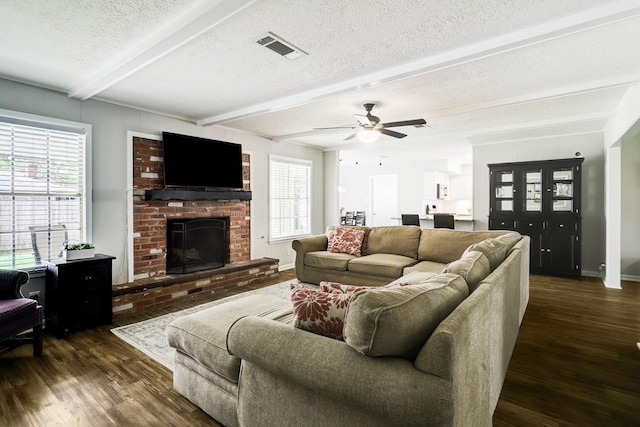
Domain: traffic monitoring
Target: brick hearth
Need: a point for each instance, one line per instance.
(160, 291)
(151, 286)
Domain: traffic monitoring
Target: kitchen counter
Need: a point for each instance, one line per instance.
(462, 221)
(456, 217)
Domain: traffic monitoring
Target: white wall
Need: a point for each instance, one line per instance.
(630, 212)
(109, 162)
(355, 179)
(624, 127)
(330, 190)
(591, 148)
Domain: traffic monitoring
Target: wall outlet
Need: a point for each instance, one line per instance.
(34, 295)
(601, 266)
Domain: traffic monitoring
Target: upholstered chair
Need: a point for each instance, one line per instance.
(18, 314)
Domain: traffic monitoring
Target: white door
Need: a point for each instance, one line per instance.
(383, 190)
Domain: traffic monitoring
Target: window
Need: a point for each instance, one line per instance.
(289, 197)
(42, 188)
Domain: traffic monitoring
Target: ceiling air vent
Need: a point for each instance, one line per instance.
(281, 47)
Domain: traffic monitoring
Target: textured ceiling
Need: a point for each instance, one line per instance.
(478, 72)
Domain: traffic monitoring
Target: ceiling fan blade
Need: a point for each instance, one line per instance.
(392, 133)
(363, 120)
(416, 122)
(338, 127)
(353, 135)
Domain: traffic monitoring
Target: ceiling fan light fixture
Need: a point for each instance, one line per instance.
(368, 135)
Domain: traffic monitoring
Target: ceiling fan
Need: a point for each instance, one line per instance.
(370, 127)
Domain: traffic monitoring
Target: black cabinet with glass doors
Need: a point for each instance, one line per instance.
(542, 200)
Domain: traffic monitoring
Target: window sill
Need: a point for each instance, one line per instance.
(36, 272)
(288, 239)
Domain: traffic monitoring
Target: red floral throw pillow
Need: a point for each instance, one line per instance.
(339, 288)
(319, 312)
(346, 240)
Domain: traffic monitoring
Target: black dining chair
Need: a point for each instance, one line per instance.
(443, 221)
(410, 219)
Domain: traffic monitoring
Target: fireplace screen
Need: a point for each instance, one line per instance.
(196, 244)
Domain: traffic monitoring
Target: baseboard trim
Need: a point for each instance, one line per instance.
(284, 267)
(626, 277)
(587, 273)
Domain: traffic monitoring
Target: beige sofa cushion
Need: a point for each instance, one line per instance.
(397, 240)
(445, 246)
(203, 335)
(494, 250)
(509, 239)
(473, 267)
(397, 321)
(425, 267)
(385, 264)
(328, 260)
(414, 278)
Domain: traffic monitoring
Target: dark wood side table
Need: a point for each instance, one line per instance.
(78, 294)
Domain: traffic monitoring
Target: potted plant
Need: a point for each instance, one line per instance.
(78, 251)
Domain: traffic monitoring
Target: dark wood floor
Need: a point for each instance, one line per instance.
(575, 364)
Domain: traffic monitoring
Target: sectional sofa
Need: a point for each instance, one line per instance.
(430, 348)
(386, 253)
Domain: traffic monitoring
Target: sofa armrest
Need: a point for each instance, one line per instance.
(304, 245)
(10, 283)
(310, 244)
(388, 386)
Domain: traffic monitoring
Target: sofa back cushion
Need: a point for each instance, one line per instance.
(396, 240)
(445, 246)
(397, 321)
(473, 267)
(509, 239)
(493, 249)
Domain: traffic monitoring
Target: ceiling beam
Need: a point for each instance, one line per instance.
(560, 92)
(562, 27)
(552, 128)
(202, 18)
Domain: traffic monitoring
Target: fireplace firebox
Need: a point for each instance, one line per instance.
(196, 244)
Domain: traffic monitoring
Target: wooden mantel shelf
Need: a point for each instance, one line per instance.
(196, 195)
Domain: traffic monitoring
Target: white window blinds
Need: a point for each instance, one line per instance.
(42, 188)
(289, 197)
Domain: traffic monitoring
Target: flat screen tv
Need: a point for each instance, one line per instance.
(202, 163)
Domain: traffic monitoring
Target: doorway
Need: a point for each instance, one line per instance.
(383, 200)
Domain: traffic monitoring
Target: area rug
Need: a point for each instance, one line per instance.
(149, 336)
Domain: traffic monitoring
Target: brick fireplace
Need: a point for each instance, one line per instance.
(150, 240)
(150, 228)
(195, 244)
